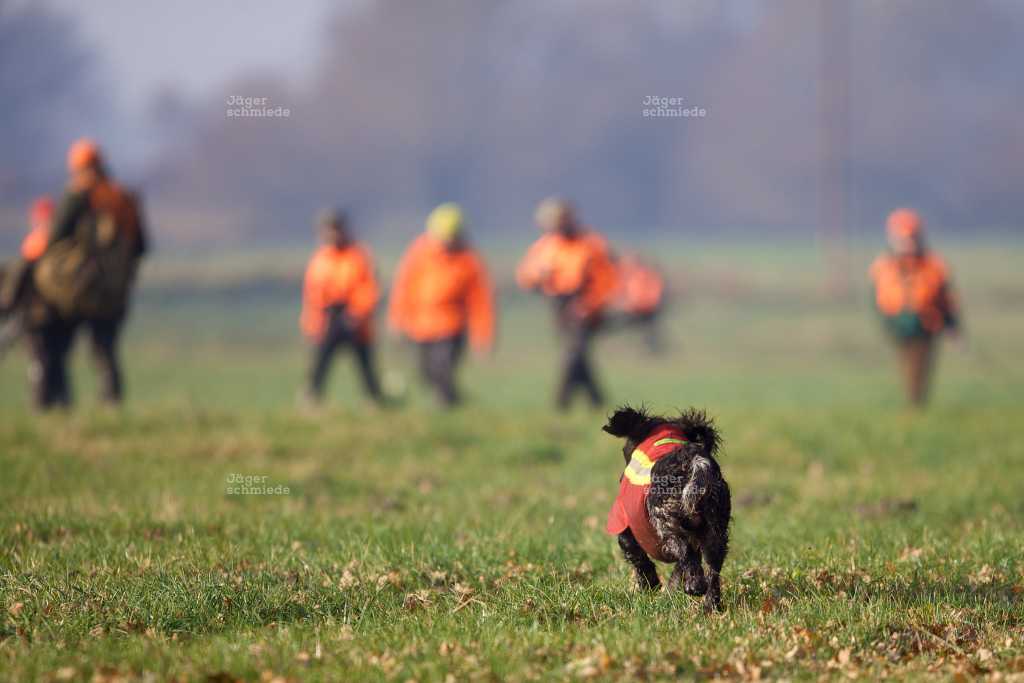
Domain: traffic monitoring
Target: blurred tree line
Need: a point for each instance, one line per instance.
(497, 104)
(47, 80)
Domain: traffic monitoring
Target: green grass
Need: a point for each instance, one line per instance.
(414, 544)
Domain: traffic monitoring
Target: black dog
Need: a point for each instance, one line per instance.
(673, 504)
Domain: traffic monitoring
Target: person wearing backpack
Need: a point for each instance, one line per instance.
(26, 314)
(913, 295)
(88, 269)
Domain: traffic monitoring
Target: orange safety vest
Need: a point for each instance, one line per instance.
(630, 507)
(439, 293)
(914, 284)
(339, 277)
(576, 266)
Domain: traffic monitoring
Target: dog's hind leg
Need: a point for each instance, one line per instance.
(646, 572)
(690, 572)
(715, 549)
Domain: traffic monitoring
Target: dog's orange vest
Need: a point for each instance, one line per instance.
(630, 507)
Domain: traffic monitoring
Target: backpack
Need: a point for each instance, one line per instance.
(90, 273)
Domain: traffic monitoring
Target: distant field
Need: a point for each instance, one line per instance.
(414, 544)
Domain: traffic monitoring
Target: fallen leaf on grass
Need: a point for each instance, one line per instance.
(984, 576)
(416, 600)
(594, 664)
(348, 580)
(465, 595)
(391, 578)
(271, 677)
(911, 554)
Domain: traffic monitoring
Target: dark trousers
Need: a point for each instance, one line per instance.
(577, 371)
(49, 345)
(917, 356)
(340, 333)
(650, 326)
(438, 361)
(104, 337)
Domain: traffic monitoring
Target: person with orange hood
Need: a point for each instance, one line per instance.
(570, 264)
(100, 223)
(339, 295)
(48, 336)
(442, 294)
(913, 295)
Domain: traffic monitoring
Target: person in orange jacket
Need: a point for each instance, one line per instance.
(571, 265)
(641, 296)
(441, 294)
(913, 295)
(48, 336)
(339, 295)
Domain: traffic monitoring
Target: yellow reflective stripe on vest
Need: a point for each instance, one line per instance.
(638, 471)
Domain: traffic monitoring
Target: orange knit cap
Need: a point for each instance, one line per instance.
(83, 153)
(903, 223)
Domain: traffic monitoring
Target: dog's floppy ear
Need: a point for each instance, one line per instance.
(626, 421)
(699, 428)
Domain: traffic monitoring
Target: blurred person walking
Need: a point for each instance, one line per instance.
(913, 295)
(47, 334)
(89, 266)
(640, 297)
(442, 294)
(571, 265)
(339, 295)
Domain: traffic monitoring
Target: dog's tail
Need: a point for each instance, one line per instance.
(701, 472)
(700, 428)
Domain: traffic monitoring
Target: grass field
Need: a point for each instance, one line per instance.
(412, 544)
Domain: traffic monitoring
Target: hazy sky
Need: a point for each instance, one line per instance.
(197, 44)
(194, 46)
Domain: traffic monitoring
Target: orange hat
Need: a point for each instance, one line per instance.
(83, 153)
(903, 223)
(40, 211)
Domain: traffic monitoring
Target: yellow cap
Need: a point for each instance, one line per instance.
(445, 222)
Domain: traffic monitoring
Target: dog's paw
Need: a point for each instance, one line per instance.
(695, 585)
(648, 586)
(712, 603)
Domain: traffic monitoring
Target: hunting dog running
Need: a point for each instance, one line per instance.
(673, 504)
